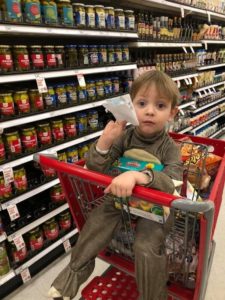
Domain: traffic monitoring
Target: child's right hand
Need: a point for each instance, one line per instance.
(111, 132)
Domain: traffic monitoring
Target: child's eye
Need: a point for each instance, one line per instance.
(141, 103)
(161, 105)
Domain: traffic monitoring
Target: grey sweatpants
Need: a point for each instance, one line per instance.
(150, 259)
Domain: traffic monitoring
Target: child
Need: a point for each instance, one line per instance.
(155, 98)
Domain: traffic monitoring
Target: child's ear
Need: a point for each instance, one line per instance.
(173, 113)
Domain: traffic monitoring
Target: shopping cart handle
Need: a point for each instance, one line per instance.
(193, 206)
(36, 156)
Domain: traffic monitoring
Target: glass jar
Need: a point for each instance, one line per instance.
(5, 189)
(118, 54)
(13, 143)
(82, 94)
(83, 151)
(60, 93)
(44, 134)
(90, 16)
(21, 58)
(20, 180)
(93, 120)
(91, 90)
(49, 12)
(110, 54)
(93, 55)
(56, 194)
(51, 229)
(79, 15)
(83, 56)
(29, 139)
(57, 130)
(2, 150)
(82, 123)
(119, 19)
(11, 11)
(22, 102)
(62, 156)
(71, 93)
(129, 19)
(70, 126)
(35, 239)
(125, 54)
(71, 56)
(36, 100)
(100, 16)
(49, 57)
(17, 255)
(37, 58)
(32, 11)
(110, 17)
(50, 98)
(72, 155)
(100, 89)
(6, 62)
(102, 54)
(6, 105)
(65, 12)
(4, 261)
(60, 56)
(65, 220)
(108, 87)
(115, 85)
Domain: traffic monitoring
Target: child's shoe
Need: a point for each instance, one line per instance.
(55, 295)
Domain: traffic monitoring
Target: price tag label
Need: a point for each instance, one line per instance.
(81, 80)
(209, 16)
(182, 12)
(67, 245)
(41, 84)
(13, 212)
(206, 46)
(8, 175)
(25, 274)
(8, 28)
(1, 130)
(19, 242)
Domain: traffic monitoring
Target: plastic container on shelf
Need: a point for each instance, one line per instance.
(129, 20)
(65, 220)
(82, 123)
(119, 19)
(35, 239)
(61, 96)
(93, 120)
(83, 55)
(91, 90)
(50, 98)
(44, 133)
(72, 155)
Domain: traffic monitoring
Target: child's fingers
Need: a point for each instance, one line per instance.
(108, 189)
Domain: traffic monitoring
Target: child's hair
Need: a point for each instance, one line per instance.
(165, 86)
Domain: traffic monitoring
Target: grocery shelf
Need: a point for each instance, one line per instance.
(29, 194)
(208, 105)
(185, 129)
(46, 251)
(210, 67)
(166, 44)
(213, 41)
(51, 150)
(53, 31)
(65, 73)
(2, 238)
(185, 76)
(207, 122)
(221, 131)
(209, 86)
(7, 277)
(186, 104)
(38, 222)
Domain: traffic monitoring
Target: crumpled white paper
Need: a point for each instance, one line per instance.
(122, 109)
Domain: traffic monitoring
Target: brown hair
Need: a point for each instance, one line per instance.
(165, 86)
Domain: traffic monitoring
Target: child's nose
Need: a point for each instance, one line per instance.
(150, 110)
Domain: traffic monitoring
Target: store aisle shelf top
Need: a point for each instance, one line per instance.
(185, 76)
(166, 44)
(209, 86)
(51, 31)
(211, 66)
(209, 105)
(7, 277)
(207, 122)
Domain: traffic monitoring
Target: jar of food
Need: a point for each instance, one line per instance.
(32, 11)
(119, 19)
(4, 261)
(13, 143)
(110, 54)
(93, 55)
(83, 151)
(51, 229)
(65, 12)
(56, 193)
(60, 93)
(83, 57)
(29, 139)
(82, 94)
(37, 58)
(17, 255)
(118, 54)
(72, 155)
(129, 19)
(62, 156)
(65, 220)
(6, 61)
(102, 54)
(35, 239)
(91, 90)
(100, 89)
(79, 15)
(82, 122)
(70, 126)
(109, 17)
(100, 16)
(6, 105)
(36, 100)
(125, 54)
(44, 133)
(21, 58)
(90, 16)
(60, 56)
(5, 189)
(50, 98)
(93, 120)
(57, 130)
(71, 56)
(115, 85)
(108, 87)
(11, 11)
(49, 57)
(2, 150)
(71, 93)
(49, 12)
(21, 100)
(20, 180)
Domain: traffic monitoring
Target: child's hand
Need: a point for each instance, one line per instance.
(111, 132)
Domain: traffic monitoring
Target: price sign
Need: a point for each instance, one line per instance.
(13, 212)
(67, 245)
(19, 242)
(81, 80)
(25, 274)
(41, 84)
(8, 175)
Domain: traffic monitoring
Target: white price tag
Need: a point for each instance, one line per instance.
(13, 212)
(8, 28)
(206, 46)
(81, 80)
(8, 175)
(209, 16)
(182, 12)
(1, 130)
(67, 245)
(19, 242)
(41, 84)
(25, 274)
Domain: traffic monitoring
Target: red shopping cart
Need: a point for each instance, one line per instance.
(191, 234)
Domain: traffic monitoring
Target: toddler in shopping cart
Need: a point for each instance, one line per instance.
(155, 97)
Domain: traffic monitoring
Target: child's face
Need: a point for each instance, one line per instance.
(152, 110)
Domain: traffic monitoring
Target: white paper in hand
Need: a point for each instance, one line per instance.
(122, 109)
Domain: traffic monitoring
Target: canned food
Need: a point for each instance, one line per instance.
(6, 62)
(90, 16)
(91, 90)
(32, 11)
(60, 93)
(36, 100)
(56, 194)
(93, 119)
(71, 93)
(29, 139)
(70, 126)
(83, 151)
(49, 12)
(21, 100)
(13, 143)
(65, 220)
(72, 155)
(82, 123)
(51, 229)
(20, 179)
(62, 156)
(79, 15)
(5, 189)
(7, 105)
(65, 12)
(57, 130)
(44, 134)
(35, 239)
